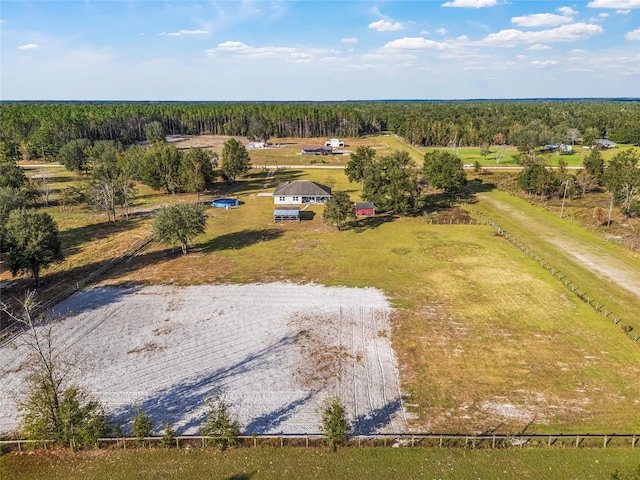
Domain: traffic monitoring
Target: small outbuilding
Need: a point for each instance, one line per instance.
(317, 150)
(286, 214)
(365, 209)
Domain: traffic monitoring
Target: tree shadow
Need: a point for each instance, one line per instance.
(74, 237)
(307, 215)
(242, 476)
(369, 223)
(241, 239)
(268, 422)
(377, 419)
(477, 185)
(178, 403)
(93, 298)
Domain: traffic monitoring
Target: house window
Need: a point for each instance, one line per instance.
(282, 199)
(296, 199)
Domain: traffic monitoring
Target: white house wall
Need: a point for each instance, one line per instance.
(298, 199)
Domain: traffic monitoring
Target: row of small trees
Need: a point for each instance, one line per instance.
(621, 177)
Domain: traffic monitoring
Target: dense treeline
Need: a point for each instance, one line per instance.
(40, 129)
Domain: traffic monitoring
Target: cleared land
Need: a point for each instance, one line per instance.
(275, 351)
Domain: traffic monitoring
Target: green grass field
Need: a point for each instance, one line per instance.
(301, 463)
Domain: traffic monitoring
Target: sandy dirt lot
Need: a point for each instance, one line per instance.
(276, 352)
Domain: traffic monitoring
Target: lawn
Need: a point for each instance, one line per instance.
(301, 463)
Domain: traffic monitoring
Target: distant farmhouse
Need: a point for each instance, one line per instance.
(604, 143)
(561, 148)
(317, 150)
(301, 192)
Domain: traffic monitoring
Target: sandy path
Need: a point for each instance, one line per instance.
(275, 350)
(594, 257)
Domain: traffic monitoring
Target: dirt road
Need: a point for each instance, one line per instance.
(610, 262)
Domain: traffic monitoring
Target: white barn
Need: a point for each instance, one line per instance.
(300, 192)
(334, 143)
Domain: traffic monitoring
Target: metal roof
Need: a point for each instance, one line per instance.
(286, 212)
(365, 205)
(302, 188)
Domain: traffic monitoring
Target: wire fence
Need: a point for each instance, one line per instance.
(398, 440)
(575, 289)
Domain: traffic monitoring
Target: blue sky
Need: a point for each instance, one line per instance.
(318, 50)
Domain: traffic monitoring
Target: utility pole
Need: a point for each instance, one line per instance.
(566, 185)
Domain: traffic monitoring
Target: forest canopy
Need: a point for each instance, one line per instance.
(41, 129)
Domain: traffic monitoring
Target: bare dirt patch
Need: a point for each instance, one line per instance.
(276, 351)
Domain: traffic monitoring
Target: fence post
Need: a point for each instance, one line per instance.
(577, 441)
(493, 443)
(605, 442)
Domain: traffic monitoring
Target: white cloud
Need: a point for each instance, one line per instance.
(633, 35)
(287, 54)
(384, 26)
(577, 50)
(2, 20)
(614, 4)
(28, 46)
(414, 43)
(565, 33)
(349, 40)
(541, 20)
(539, 46)
(442, 31)
(425, 32)
(186, 32)
(544, 63)
(568, 11)
(623, 11)
(471, 3)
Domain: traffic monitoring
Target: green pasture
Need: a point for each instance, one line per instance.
(348, 463)
(472, 155)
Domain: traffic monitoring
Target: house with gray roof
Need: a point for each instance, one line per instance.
(301, 192)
